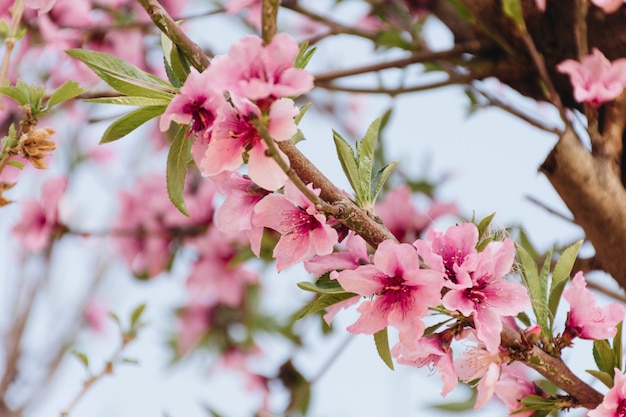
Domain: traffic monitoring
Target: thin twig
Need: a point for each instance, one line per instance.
(268, 20)
(550, 209)
(397, 91)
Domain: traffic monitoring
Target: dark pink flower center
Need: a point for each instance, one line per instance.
(451, 256)
(396, 292)
(477, 294)
(201, 117)
(621, 409)
(298, 221)
(240, 128)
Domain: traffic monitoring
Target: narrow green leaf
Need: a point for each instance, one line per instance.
(347, 159)
(175, 59)
(178, 159)
(131, 101)
(302, 112)
(67, 91)
(513, 9)
(544, 276)
(331, 287)
(323, 301)
(129, 122)
(131, 88)
(381, 178)
(16, 164)
(526, 244)
(603, 356)
(531, 280)
(603, 377)
(131, 361)
(382, 346)
(561, 274)
(118, 68)
(483, 225)
(617, 347)
(365, 161)
(304, 55)
(14, 93)
(136, 314)
(82, 358)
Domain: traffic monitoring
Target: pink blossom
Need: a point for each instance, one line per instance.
(429, 351)
(608, 6)
(257, 72)
(352, 256)
(194, 321)
(40, 220)
(585, 319)
(488, 298)
(304, 231)
(513, 386)
(446, 252)
(478, 362)
(213, 278)
(403, 292)
(42, 6)
(95, 315)
(251, 7)
(614, 402)
(595, 79)
(197, 105)
(235, 137)
(235, 214)
(541, 5)
(400, 215)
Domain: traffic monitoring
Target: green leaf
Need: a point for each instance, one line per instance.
(381, 178)
(16, 164)
(617, 346)
(136, 314)
(544, 276)
(304, 55)
(603, 377)
(330, 287)
(513, 9)
(302, 112)
(16, 93)
(174, 59)
(365, 161)
(129, 122)
(382, 346)
(67, 91)
(561, 274)
(82, 358)
(603, 356)
(535, 288)
(323, 301)
(131, 101)
(347, 159)
(131, 88)
(483, 225)
(178, 159)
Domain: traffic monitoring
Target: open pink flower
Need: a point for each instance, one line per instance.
(304, 230)
(513, 386)
(401, 291)
(197, 105)
(595, 79)
(429, 352)
(478, 362)
(257, 72)
(614, 402)
(235, 139)
(40, 220)
(489, 297)
(585, 319)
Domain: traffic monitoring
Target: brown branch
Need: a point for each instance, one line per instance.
(268, 20)
(419, 57)
(167, 25)
(397, 91)
(553, 369)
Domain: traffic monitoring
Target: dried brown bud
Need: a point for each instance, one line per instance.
(3, 187)
(35, 145)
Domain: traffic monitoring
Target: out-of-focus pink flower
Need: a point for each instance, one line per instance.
(304, 231)
(42, 6)
(95, 315)
(478, 362)
(194, 321)
(585, 319)
(257, 72)
(514, 385)
(446, 252)
(541, 5)
(251, 7)
(429, 352)
(403, 292)
(213, 280)
(400, 215)
(235, 214)
(40, 220)
(235, 136)
(608, 6)
(595, 79)
(614, 402)
(489, 297)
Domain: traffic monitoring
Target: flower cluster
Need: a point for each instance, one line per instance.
(258, 82)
